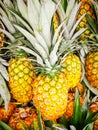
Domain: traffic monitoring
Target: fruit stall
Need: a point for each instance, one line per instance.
(48, 64)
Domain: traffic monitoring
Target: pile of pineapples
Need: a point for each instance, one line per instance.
(48, 65)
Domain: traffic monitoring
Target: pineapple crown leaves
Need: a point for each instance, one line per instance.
(47, 47)
(4, 92)
(39, 16)
(38, 37)
(70, 19)
(82, 118)
(7, 20)
(6, 17)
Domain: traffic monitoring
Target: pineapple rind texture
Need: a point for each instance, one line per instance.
(56, 21)
(94, 107)
(70, 105)
(2, 38)
(91, 68)
(72, 69)
(23, 115)
(21, 77)
(5, 115)
(50, 95)
(85, 7)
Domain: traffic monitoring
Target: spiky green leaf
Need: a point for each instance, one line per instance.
(33, 15)
(40, 120)
(8, 24)
(21, 19)
(46, 14)
(41, 40)
(8, 34)
(5, 126)
(22, 8)
(28, 50)
(77, 110)
(4, 72)
(33, 41)
(4, 92)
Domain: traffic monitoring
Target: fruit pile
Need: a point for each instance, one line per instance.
(48, 65)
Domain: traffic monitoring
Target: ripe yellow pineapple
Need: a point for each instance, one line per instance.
(50, 87)
(85, 8)
(72, 69)
(24, 115)
(91, 68)
(50, 95)
(21, 77)
(20, 67)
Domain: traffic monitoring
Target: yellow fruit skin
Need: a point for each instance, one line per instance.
(21, 77)
(91, 68)
(85, 7)
(50, 95)
(72, 69)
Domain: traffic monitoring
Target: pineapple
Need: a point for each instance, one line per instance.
(73, 70)
(5, 115)
(80, 88)
(2, 38)
(20, 69)
(81, 119)
(70, 105)
(91, 68)
(94, 107)
(91, 55)
(24, 116)
(85, 7)
(50, 87)
(21, 77)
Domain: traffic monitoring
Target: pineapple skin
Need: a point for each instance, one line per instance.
(50, 96)
(72, 69)
(70, 105)
(2, 38)
(56, 21)
(80, 88)
(21, 77)
(23, 115)
(85, 7)
(5, 115)
(91, 68)
(94, 107)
